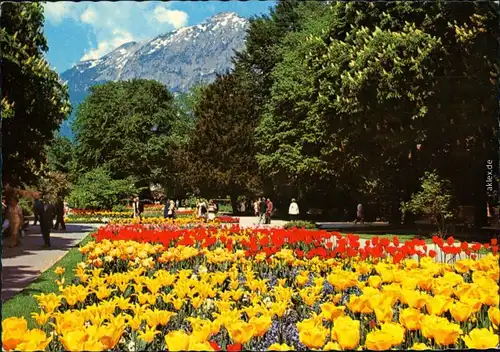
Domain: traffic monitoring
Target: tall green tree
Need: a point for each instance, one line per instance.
(126, 127)
(220, 157)
(60, 155)
(34, 101)
(358, 102)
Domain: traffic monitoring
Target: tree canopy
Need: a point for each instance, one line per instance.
(219, 158)
(358, 103)
(34, 101)
(126, 127)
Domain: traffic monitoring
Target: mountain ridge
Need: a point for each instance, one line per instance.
(180, 59)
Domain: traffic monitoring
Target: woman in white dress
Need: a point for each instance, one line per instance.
(211, 210)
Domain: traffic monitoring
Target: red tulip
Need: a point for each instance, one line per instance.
(395, 240)
(464, 245)
(450, 240)
(432, 253)
(494, 241)
(234, 347)
(214, 345)
(476, 247)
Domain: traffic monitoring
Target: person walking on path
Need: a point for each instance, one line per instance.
(203, 210)
(262, 211)
(293, 210)
(359, 214)
(165, 209)
(256, 207)
(59, 209)
(36, 210)
(15, 217)
(211, 210)
(269, 211)
(138, 208)
(46, 216)
(171, 210)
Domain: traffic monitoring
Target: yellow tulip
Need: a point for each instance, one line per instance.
(314, 337)
(261, 324)
(420, 347)
(34, 340)
(59, 270)
(177, 340)
(240, 332)
(199, 346)
(331, 312)
(410, 318)
(379, 340)
(346, 332)
(280, 347)
(374, 281)
(494, 315)
(460, 311)
(40, 318)
(446, 334)
(13, 331)
(396, 331)
(148, 334)
(481, 339)
(332, 346)
(437, 305)
(384, 313)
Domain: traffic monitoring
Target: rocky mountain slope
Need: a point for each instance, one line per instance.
(179, 59)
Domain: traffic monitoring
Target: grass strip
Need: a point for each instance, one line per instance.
(401, 237)
(24, 303)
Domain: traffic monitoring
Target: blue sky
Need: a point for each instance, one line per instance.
(79, 31)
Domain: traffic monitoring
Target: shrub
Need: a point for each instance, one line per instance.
(98, 190)
(120, 208)
(27, 206)
(434, 200)
(300, 224)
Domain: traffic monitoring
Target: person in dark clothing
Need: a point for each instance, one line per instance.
(46, 216)
(36, 210)
(269, 211)
(59, 209)
(165, 209)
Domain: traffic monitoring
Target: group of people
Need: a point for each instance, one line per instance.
(169, 212)
(44, 211)
(205, 211)
(263, 209)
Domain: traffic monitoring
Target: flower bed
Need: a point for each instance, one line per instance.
(148, 218)
(154, 287)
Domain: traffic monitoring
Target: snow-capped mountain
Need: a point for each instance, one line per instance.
(179, 59)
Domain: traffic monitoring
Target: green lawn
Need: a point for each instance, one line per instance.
(23, 303)
(402, 237)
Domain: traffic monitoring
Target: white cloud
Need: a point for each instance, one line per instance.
(120, 37)
(89, 16)
(112, 24)
(176, 18)
(56, 12)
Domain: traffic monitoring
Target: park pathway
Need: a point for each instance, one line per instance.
(24, 264)
(251, 221)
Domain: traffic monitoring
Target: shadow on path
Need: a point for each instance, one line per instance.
(33, 243)
(15, 278)
(24, 264)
